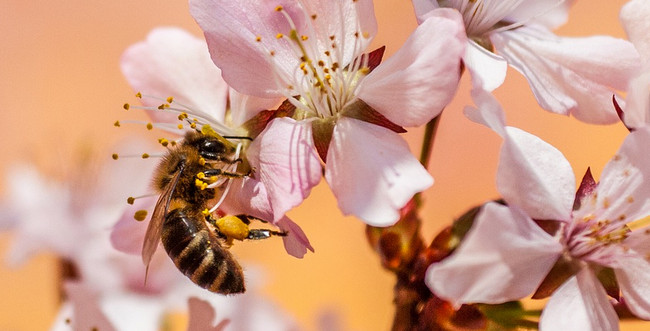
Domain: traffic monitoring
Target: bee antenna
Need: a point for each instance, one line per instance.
(239, 137)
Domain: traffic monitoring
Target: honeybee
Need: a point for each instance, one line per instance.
(195, 240)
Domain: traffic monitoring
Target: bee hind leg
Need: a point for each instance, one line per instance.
(258, 234)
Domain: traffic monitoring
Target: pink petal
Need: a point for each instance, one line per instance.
(623, 188)
(634, 16)
(231, 29)
(416, 83)
(579, 304)
(637, 102)
(535, 176)
(504, 257)
(633, 276)
(244, 107)
(488, 111)
(423, 8)
(371, 171)
(86, 306)
(286, 163)
(128, 234)
(488, 70)
(202, 316)
(172, 62)
(296, 242)
(549, 13)
(570, 75)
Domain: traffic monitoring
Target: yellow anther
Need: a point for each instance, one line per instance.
(356, 34)
(605, 203)
(145, 155)
(366, 35)
(278, 8)
(173, 143)
(130, 200)
(170, 99)
(332, 37)
(321, 63)
(279, 36)
(313, 17)
(115, 156)
(303, 37)
(163, 142)
(327, 53)
(138, 95)
(364, 70)
(182, 116)
(258, 38)
(630, 199)
(140, 215)
(180, 126)
(126, 106)
(272, 53)
(193, 125)
(163, 106)
(149, 126)
(116, 124)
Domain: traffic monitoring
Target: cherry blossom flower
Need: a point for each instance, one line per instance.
(634, 16)
(171, 62)
(506, 255)
(567, 75)
(342, 104)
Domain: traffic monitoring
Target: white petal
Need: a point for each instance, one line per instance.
(424, 7)
(637, 102)
(549, 13)
(488, 111)
(372, 172)
(243, 107)
(535, 176)
(633, 276)
(634, 16)
(570, 75)
(172, 62)
(488, 70)
(504, 256)
(623, 188)
(579, 304)
(416, 83)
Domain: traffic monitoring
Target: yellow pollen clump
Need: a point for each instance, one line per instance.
(200, 175)
(149, 126)
(145, 155)
(202, 161)
(200, 184)
(170, 99)
(213, 179)
(115, 156)
(126, 106)
(130, 200)
(138, 95)
(205, 212)
(140, 215)
(116, 124)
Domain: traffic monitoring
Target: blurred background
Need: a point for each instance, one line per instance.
(61, 89)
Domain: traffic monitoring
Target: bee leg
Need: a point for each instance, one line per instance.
(248, 219)
(257, 234)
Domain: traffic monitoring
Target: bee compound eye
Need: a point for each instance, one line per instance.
(211, 149)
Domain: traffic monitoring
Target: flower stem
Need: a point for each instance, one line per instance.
(427, 142)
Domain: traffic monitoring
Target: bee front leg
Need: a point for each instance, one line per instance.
(219, 172)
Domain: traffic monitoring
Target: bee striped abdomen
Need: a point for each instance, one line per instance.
(198, 253)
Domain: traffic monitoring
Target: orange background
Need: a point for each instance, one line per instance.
(60, 84)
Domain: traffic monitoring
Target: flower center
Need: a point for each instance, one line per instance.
(328, 71)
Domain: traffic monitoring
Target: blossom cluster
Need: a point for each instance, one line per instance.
(293, 87)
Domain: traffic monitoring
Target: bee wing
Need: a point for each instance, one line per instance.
(154, 229)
